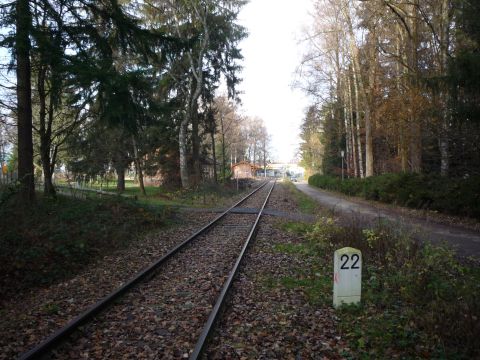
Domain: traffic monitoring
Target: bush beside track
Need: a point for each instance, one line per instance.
(418, 191)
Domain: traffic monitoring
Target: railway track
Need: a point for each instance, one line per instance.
(170, 308)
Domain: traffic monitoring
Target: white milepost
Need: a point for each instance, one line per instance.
(347, 276)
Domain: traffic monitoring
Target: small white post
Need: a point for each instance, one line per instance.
(347, 276)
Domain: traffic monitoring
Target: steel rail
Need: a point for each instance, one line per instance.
(59, 335)
(209, 325)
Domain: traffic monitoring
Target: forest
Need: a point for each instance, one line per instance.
(98, 88)
(395, 88)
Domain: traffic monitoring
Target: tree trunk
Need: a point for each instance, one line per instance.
(48, 188)
(415, 146)
(264, 160)
(445, 121)
(348, 148)
(362, 92)
(224, 163)
(48, 150)
(369, 100)
(214, 155)
(48, 166)
(444, 146)
(197, 169)
(24, 103)
(402, 73)
(357, 120)
(120, 163)
(350, 115)
(45, 132)
(197, 172)
(403, 151)
(415, 156)
(120, 170)
(196, 68)
(182, 144)
(191, 115)
(138, 166)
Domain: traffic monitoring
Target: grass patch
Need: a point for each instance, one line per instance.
(291, 248)
(304, 202)
(205, 195)
(312, 284)
(54, 238)
(51, 308)
(295, 227)
(418, 301)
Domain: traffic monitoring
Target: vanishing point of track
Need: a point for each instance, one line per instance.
(211, 250)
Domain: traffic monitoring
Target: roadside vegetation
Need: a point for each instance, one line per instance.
(56, 237)
(419, 191)
(305, 203)
(417, 300)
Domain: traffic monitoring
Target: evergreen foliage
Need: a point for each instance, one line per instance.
(457, 196)
(127, 73)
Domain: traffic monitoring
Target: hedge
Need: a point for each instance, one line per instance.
(457, 196)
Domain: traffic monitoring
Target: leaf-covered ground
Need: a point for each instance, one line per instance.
(280, 307)
(266, 317)
(44, 309)
(418, 301)
(55, 238)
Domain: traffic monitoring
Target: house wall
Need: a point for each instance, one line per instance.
(242, 171)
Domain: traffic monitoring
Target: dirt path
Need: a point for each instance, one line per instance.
(466, 242)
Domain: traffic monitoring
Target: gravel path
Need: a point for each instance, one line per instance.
(465, 241)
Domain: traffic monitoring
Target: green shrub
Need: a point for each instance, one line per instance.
(7, 192)
(352, 187)
(419, 191)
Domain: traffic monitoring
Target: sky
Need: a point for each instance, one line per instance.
(271, 54)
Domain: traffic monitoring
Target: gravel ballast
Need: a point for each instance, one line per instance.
(265, 322)
(163, 317)
(31, 316)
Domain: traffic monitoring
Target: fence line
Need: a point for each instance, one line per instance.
(78, 191)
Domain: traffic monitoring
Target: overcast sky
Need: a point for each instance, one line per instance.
(272, 54)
